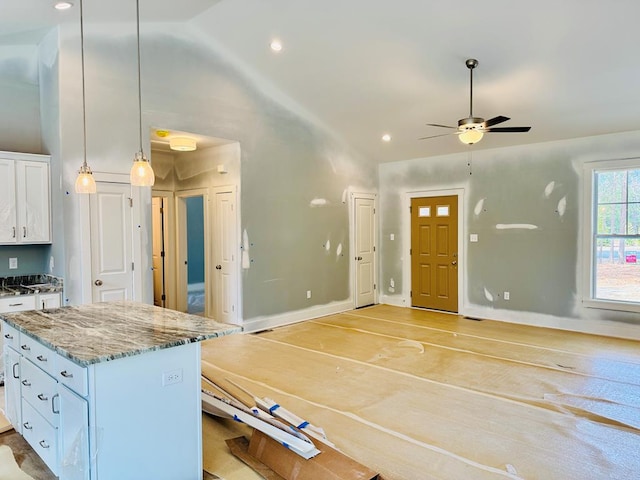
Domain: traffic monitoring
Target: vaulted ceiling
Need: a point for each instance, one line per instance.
(367, 67)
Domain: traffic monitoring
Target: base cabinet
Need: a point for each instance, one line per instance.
(13, 406)
(113, 420)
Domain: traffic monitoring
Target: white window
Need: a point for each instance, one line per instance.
(612, 249)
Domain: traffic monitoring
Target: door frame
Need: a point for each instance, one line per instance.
(84, 211)
(169, 243)
(352, 244)
(180, 219)
(406, 242)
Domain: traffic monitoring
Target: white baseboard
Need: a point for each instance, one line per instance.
(609, 328)
(272, 321)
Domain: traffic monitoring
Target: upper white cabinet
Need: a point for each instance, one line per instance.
(25, 211)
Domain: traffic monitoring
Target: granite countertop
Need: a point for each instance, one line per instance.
(101, 332)
(30, 285)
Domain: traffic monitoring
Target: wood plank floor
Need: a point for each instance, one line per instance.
(416, 394)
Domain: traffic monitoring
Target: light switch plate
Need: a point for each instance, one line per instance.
(473, 237)
(13, 263)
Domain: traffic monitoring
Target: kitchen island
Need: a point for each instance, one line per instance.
(109, 390)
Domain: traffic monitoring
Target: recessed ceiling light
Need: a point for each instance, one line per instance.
(63, 5)
(386, 137)
(276, 45)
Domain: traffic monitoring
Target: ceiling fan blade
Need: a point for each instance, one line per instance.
(508, 129)
(438, 125)
(434, 136)
(495, 120)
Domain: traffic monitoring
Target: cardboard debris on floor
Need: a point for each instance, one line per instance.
(285, 464)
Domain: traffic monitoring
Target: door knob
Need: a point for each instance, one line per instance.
(358, 258)
(98, 283)
(454, 263)
(218, 267)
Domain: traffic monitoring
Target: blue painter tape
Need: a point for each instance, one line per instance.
(275, 407)
(302, 425)
(286, 445)
(235, 417)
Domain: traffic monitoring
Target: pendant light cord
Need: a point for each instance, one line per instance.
(84, 113)
(139, 74)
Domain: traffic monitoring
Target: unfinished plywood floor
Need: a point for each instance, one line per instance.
(421, 395)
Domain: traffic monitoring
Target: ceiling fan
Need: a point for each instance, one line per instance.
(470, 130)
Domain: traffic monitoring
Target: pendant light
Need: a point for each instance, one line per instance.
(141, 172)
(85, 183)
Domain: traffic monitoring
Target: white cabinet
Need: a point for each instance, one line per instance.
(111, 420)
(48, 300)
(25, 211)
(74, 436)
(17, 303)
(13, 408)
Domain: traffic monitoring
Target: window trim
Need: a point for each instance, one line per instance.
(589, 220)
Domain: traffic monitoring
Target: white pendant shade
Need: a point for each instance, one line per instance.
(182, 144)
(141, 172)
(85, 183)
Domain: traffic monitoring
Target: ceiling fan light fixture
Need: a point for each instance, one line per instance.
(471, 136)
(182, 144)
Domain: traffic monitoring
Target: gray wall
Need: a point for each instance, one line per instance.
(286, 160)
(524, 187)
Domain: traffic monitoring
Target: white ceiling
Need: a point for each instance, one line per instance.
(566, 68)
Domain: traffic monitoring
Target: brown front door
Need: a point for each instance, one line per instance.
(434, 253)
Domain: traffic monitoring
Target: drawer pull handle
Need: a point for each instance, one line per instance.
(42, 397)
(43, 444)
(25, 347)
(26, 383)
(13, 370)
(42, 358)
(27, 426)
(66, 374)
(8, 336)
(53, 404)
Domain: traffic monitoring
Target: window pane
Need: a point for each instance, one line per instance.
(634, 185)
(617, 275)
(612, 219)
(633, 222)
(442, 210)
(612, 186)
(424, 212)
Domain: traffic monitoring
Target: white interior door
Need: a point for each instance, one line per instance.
(226, 257)
(111, 242)
(364, 216)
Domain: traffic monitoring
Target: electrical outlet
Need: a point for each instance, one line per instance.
(308, 293)
(13, 263)
(171, 377)
(506, 295)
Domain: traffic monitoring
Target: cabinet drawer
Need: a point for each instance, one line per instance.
(41, 435)
(10, 336)
(72, 375)
(39, 389)
(40, 355)
(17, 303)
